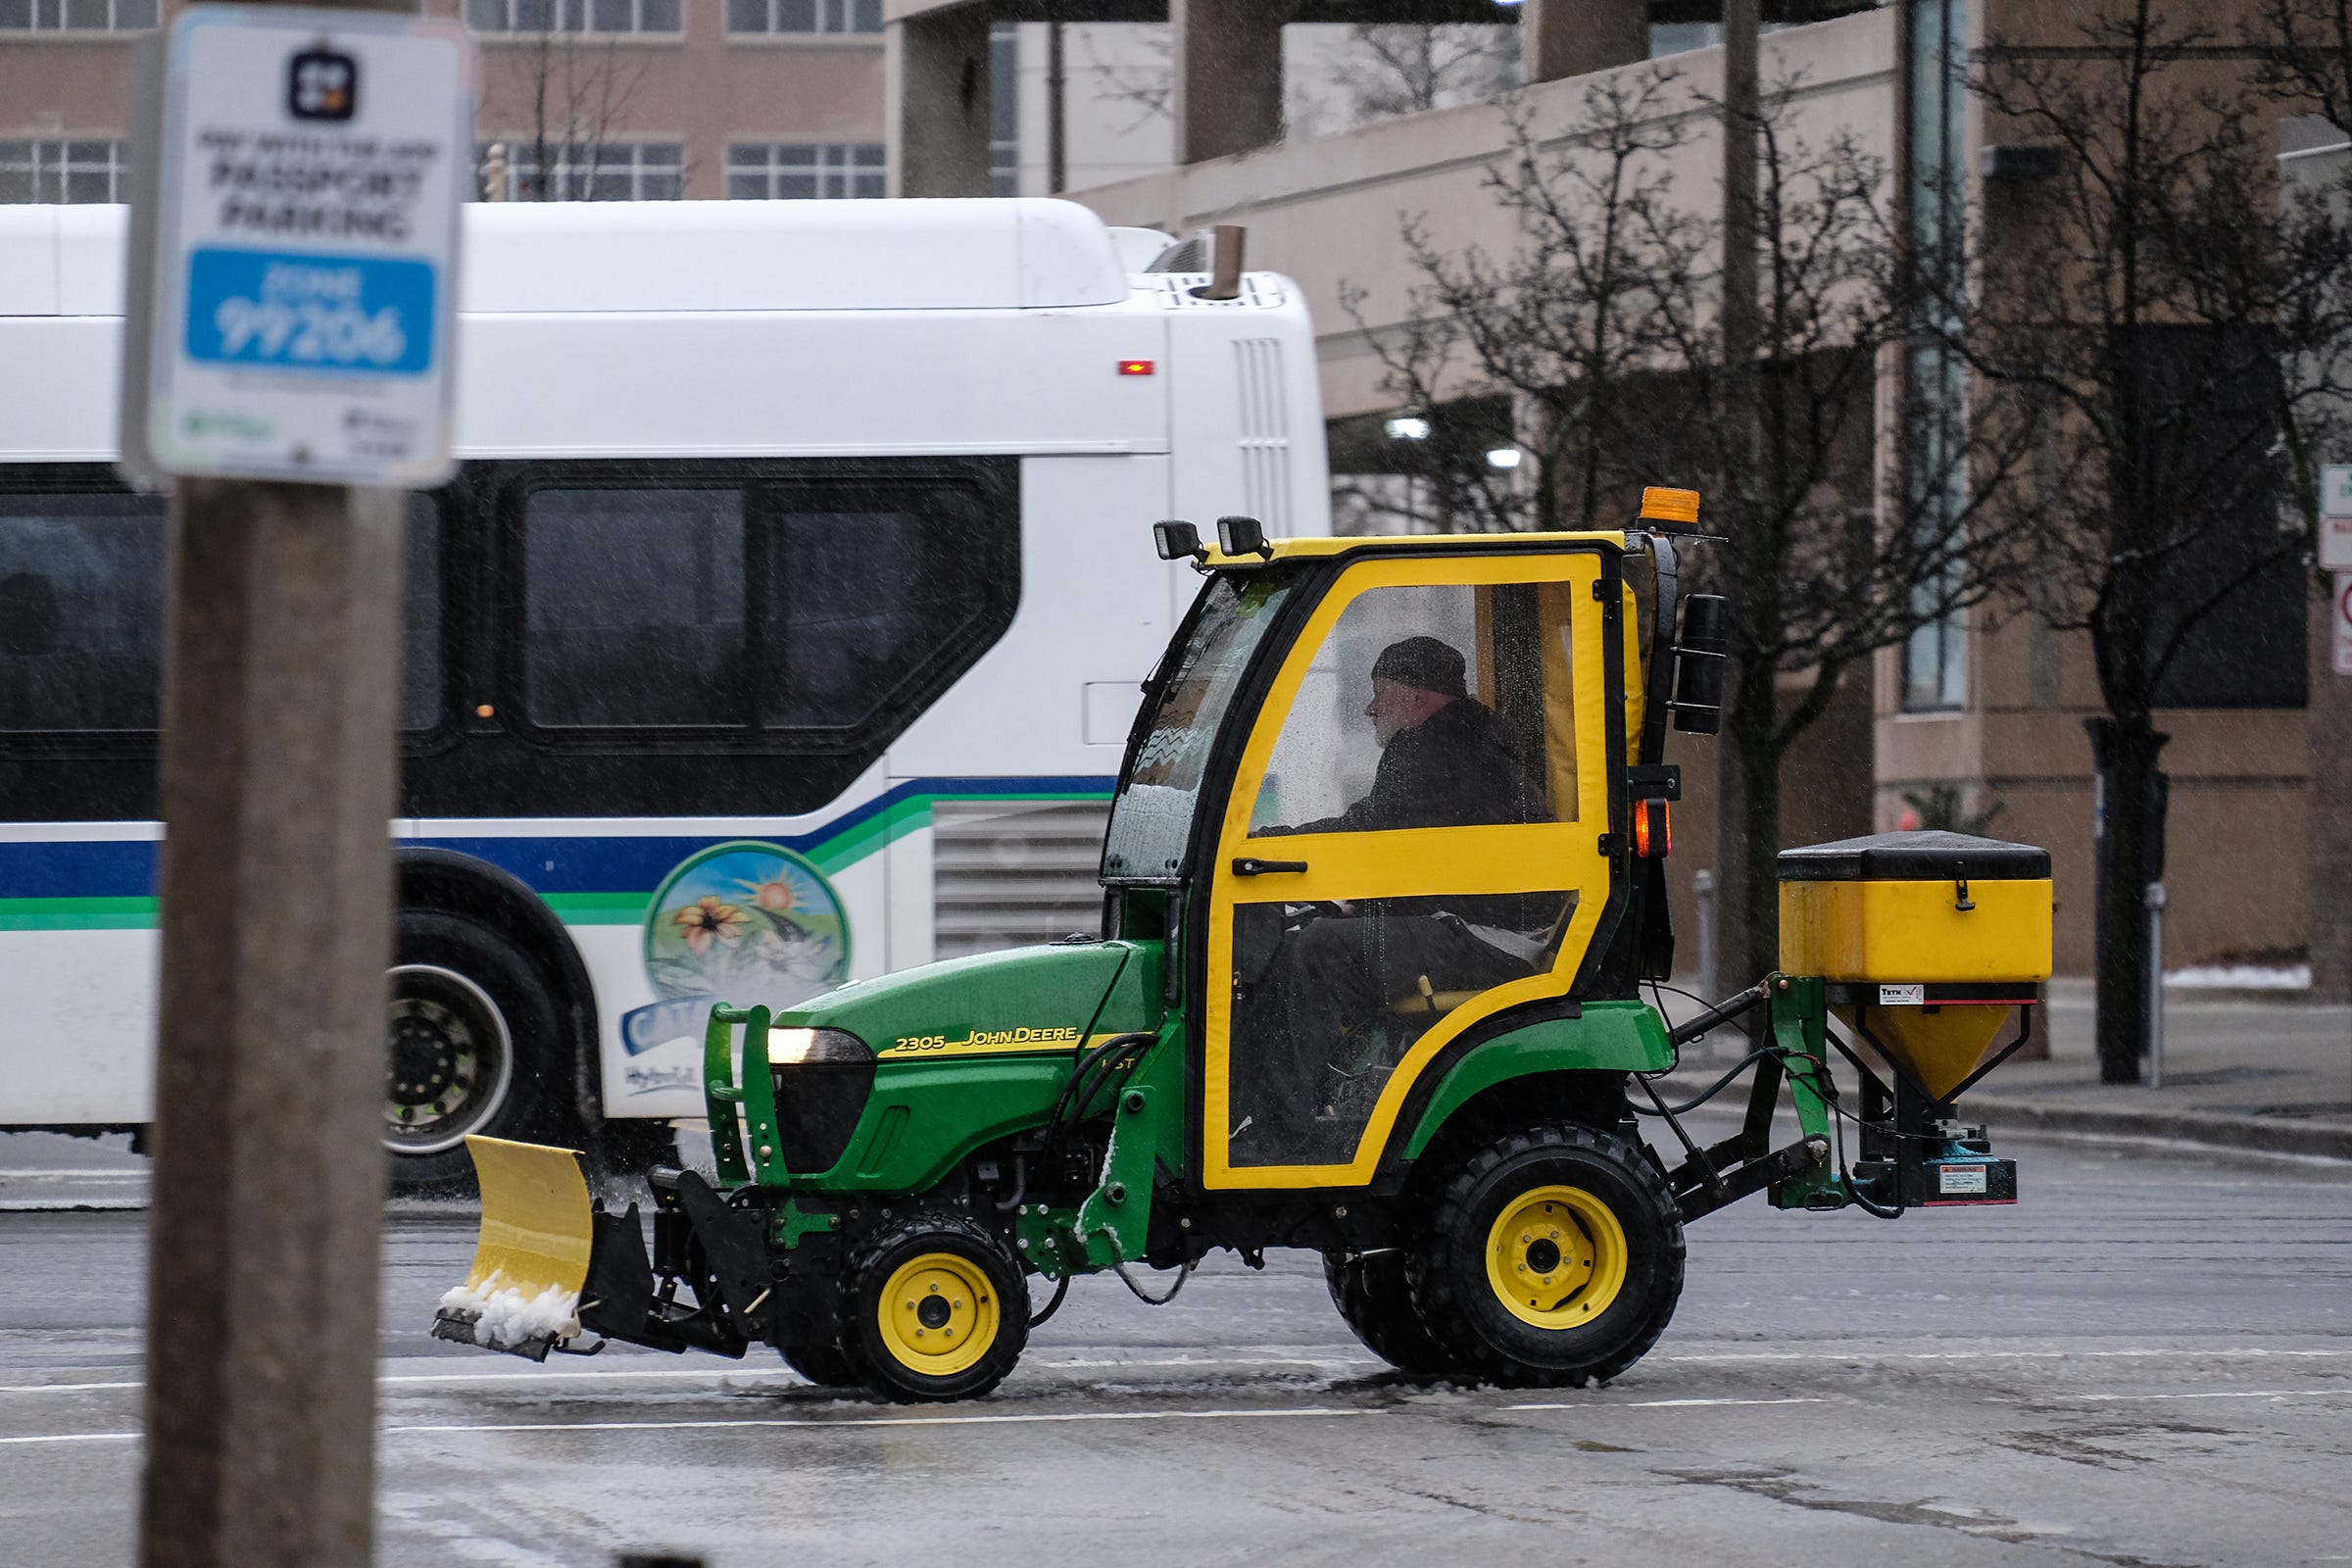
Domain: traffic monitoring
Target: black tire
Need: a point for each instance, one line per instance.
(826, 1365)
(1373, 1294)
(1575, 1327)
(476, 1043)
(934, 1259)
(620, 1150)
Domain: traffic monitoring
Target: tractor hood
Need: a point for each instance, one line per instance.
(1018, 1002)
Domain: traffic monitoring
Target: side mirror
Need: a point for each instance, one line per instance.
(1175, 539)
(1242, 536)
(1698, 655)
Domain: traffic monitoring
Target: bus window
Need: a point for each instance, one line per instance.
(421, 617)
(796, 615)
(860, 600)
(633, 608)
(81, 611)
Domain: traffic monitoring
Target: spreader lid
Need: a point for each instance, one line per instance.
(1914, 857)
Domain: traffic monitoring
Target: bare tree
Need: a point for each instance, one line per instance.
(2176, 334)
(1603, 327)
(565, 98)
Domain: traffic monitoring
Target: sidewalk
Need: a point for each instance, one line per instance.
(2239, 1072)
(2268, 1074)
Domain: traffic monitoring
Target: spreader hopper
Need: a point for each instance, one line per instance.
(1926, 940)
(1924, 946)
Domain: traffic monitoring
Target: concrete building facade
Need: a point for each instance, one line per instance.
(619, 99)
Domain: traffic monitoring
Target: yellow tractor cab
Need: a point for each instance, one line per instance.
(1382, 878)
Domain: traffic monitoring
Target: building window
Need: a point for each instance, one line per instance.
(81, 16)
(803, 16)
(571, 15)
(1005, 111)
(614, 172)
(788, 171)
(1934, 668)
(62, 171)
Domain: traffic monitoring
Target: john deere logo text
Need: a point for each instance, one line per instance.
(989, 1040)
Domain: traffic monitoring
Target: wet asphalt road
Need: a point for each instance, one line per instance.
(2147, 1362)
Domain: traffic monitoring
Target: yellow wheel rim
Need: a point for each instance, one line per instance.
(938, 1315)
(1555, 1257)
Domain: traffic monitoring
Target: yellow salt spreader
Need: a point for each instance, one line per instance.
(1924, 946)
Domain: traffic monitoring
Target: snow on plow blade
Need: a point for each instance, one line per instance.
(523, 1294)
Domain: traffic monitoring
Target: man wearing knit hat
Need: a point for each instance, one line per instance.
(1445, 758)
(1447, 761)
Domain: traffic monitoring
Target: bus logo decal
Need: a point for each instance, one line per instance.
(744, 921)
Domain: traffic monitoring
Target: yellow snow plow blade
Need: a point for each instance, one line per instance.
(523, 1294)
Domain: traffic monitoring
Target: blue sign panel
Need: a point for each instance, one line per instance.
(354, 313)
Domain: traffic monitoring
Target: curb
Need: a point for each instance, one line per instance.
(2263, 1134)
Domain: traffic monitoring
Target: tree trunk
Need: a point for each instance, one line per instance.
(2130, 819)
(1757, 763)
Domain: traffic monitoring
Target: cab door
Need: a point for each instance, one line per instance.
(1400, 857)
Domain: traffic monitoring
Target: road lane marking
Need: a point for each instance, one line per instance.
(2232, 1394)
(1028, 1419)
(1036, 1418)
(1730, 1358)
(689, 1374)
(1650, 1404)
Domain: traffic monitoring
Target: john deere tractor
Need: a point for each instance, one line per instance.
(1382, 882)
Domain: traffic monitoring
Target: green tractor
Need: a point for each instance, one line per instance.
(1382, 881)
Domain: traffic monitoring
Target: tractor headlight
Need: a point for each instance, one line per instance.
(790, 1048)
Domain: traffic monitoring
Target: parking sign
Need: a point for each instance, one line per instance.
(294, 246)
(2335, 517)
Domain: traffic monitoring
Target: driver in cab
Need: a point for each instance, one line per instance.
(1447, 761)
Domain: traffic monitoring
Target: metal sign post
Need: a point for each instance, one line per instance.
(290, 318)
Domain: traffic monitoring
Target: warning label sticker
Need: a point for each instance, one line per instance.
(1960, 1179)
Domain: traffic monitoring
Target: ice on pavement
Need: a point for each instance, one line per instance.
(505, 1318)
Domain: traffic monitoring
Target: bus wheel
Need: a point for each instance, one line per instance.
(475, 1045)
(1557, 1256)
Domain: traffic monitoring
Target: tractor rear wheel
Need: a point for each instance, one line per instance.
(936, 1309)
(825, 1364)
(1373, 1295)
(1554, 1257)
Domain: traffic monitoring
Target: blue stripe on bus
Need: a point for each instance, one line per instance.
(554, 864)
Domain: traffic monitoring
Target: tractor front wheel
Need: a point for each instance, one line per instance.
(1554, 1257)
(936, 1309)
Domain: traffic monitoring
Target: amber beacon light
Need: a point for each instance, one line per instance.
(1677, 507)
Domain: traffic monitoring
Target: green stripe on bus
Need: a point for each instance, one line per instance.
(76, 914)
(830, 855)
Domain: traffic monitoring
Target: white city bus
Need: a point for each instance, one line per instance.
(783, 627)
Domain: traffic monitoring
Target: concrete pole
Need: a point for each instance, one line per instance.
(280, 693)
(1561, 39)
(1057, 121)
(1228, 87)
(935, 89)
